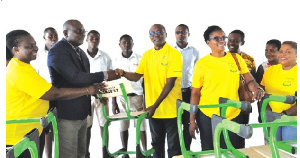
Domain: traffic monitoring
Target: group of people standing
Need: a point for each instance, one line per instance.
(159, 77)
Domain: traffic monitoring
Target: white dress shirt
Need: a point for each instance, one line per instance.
(190, 56)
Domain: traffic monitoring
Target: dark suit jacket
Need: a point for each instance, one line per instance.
(67, 71)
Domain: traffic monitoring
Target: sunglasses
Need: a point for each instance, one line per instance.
(80, 31)
(182, 32)
(157, 32)
(218, 39)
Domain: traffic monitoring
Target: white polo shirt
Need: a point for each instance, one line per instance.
(190, 55)
(40, 64)
(130, 64)
(101, 61)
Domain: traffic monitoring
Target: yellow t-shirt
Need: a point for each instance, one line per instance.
(218, 77)
(24, 87)
(157, 66)
(280, 82)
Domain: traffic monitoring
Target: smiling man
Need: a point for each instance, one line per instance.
(236, 39)
(161, 68)
(70, 67)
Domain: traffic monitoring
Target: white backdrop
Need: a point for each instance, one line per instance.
(259, 20)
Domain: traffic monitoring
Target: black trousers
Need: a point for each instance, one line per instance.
(259, 104)
(186, 96)
(204, 124)
(160, 128)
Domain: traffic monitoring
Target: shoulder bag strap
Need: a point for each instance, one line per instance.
(238, 65)
(236, 60)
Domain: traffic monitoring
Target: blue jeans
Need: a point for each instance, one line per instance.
(286, 133)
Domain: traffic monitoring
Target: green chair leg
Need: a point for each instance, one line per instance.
(30, 142)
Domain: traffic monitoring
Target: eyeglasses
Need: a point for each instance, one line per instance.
(80, 31)
(157, 32)
(182, 32)
(218, 39)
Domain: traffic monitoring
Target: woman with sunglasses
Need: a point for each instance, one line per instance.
(27, 93)
(217, 75)
(281, 79)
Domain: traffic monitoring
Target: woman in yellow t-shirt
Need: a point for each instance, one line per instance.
(271, 52)
(281, 79)
(217, 75)
(27, 93)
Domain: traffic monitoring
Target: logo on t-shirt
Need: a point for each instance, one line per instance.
(288, 82)
(164, 61)
(232, 67)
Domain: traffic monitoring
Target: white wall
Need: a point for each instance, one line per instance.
(260, 21)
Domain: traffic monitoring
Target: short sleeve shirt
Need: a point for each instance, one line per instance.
(24, 87)
(280, 82)
(157, 66)
(218, 77)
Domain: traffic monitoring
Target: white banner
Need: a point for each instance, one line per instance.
(113, 89)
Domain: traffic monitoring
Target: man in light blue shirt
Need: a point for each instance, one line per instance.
(190, 56)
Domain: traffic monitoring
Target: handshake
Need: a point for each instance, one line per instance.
(100, 87)
(111, 75)
(115, 74)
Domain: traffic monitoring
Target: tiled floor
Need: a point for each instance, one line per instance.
(115, 142)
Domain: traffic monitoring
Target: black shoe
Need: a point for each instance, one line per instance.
(125, 156)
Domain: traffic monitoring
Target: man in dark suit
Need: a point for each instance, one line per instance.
(69, 67)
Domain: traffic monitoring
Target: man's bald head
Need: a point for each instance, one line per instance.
(69, 23)
(74, 32)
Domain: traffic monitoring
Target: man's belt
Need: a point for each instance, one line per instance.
(131, 94)
(185, 89)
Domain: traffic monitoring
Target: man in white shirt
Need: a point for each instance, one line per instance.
(99, 61)
(190, 55)
(129, 61)
(40, 65)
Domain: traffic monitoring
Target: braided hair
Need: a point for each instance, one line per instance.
(13, 38)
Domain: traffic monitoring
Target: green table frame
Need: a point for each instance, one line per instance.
(224, 104)
(49, 118)
(140, 153)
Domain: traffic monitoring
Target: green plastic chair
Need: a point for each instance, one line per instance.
(30, 142)
(224, 104)
(277, 121)
(49, 118)
(220, 124)
(140, 153)
(283, 145)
